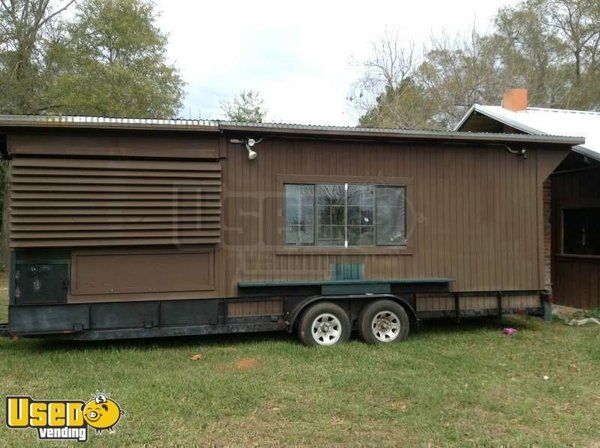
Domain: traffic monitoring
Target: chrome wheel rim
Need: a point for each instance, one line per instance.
(385, 326)
(326, 329)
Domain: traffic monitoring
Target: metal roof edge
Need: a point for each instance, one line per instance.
(82, 122)
(391, 134)
(508, 122)
(577, 147)
(586, 152)
(465, 118)
(216, 126)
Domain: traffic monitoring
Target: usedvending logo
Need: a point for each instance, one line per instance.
(63, 420)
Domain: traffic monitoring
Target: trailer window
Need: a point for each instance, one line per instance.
(361, 209)
(581, 231)
(391, 219)
(331, 215)
(345, 215)
(300, 214)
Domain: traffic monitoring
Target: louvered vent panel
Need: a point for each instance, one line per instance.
(77, 202)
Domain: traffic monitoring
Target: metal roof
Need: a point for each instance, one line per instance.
(37, 121)
(392, 134)
(543, 121)
(71, 121)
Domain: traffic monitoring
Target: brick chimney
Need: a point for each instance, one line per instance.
(515, 99)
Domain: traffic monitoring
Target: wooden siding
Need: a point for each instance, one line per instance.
(60, 202)
(113, 144)
(576, 279)
(474, 212)
(130, 275)
(477, 212)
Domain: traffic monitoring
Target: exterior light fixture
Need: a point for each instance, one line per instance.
(520, 152)
(249, 143)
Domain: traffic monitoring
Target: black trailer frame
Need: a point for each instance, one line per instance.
(144, 319)
(42, 310)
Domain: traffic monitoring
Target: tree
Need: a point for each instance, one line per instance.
(248, 107)
(530, 54)
(111, 62)
(24, 26)
(577, 23)
(108, 60)
(455, 74)
(386, 94)
(432, 90)
(551, 47)
(403, 106)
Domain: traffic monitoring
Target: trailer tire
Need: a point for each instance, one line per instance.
(324, 324)
(383, 322)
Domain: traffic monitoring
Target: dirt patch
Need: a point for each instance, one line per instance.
(242, 364)
(246, 364)
(399, 406)
(567, 313)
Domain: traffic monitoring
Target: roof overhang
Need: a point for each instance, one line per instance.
(523, 128)
(291, 130)
(392, 134)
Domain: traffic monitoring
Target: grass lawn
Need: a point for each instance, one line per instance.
(448, 385)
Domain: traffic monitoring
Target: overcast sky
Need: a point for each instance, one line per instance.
(296, 53)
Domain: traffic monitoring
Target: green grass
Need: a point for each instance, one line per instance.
(448, 385)
(3, 297)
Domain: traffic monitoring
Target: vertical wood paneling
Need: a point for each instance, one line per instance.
(476, 212)
(575, 280)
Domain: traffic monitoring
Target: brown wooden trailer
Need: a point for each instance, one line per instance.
(139, 228)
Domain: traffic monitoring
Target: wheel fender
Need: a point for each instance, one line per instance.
(299, 309)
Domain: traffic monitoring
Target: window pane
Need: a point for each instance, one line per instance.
(361, 202)
(300, 214)
(391, 216)
(360, 195)
(581, 231)
(360, 236)
(331, 215)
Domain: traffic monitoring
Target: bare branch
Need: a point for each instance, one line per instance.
(58, 11)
